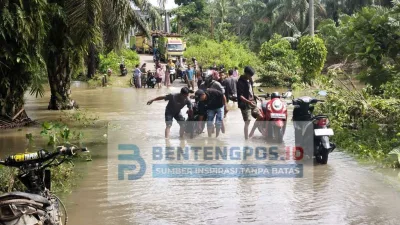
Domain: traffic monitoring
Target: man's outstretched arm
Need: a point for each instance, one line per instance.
(156, 99)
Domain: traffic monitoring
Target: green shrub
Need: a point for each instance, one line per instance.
(113, 59)
(332, 37)
(280, 63)
(227, 53)
(374, 122)
(312, 55)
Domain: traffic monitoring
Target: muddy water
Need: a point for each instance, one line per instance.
(342, 192)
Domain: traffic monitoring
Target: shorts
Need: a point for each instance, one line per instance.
(218, 114)
(178, 117)
(249, 112)
(158, 80)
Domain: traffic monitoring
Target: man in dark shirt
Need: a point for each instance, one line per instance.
(230, 86)
(214, 102)
(176, 102)
(246, 98)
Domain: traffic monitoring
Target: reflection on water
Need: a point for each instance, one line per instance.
(341, 192)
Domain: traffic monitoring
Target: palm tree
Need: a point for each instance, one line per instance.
(294, 11)
(22, 31)
(311, 9)
(78, 27)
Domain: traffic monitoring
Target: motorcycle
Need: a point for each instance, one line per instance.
(312, 132)
(151, 80)
(123, 69)
(192, 122)
(273, 116)
(37, 205)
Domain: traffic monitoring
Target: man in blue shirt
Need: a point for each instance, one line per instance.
(190, 77)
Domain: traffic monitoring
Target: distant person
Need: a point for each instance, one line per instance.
(235, 74)
(209, 82)
(167, 80)
(137, 77)
(214, 102)
(143, 75)
(230, 86)
(195, 64)
(178, 62)
(176, 102)
(190, 77)
(199, 76)
(158, 75)
(216, 76)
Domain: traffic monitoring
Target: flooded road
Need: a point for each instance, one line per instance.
(341, 192)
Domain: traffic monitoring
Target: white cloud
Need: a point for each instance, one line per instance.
(169, 5)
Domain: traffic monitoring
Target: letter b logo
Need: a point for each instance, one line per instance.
(133, 157)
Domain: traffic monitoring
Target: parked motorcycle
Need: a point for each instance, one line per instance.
(151, 80)
(123, 69)
(37, 205)
(273, 116)
(312, 132)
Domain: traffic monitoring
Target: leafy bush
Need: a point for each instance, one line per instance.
(364, 124)
(372, 39)
(279, 61)
(332, 37)
(369, 37)
(312, 56)
(227, 53)
(113, 59)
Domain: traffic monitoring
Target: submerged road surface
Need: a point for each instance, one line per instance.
(341, 192)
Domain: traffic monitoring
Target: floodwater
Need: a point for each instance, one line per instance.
(341, 192)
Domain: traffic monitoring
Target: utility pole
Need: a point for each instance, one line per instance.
(311, 7)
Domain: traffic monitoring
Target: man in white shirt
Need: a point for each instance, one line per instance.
(136, 76)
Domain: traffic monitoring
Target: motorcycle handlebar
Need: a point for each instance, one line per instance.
(13, 161)
(299, 101)
(70, 151)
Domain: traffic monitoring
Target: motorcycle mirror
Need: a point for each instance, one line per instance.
(322, 93)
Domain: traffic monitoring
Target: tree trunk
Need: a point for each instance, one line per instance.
(60, 82)
(311, 2)
(91, 61)
(302, 22)
(212, 27)
(11, 102)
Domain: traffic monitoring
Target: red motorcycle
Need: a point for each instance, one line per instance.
(272, 117)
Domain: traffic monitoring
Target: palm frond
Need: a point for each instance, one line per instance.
(84, 22)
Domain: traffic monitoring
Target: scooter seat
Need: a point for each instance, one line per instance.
(17, 194)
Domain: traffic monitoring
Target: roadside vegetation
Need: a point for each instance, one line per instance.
(51, 135)
(354, 41)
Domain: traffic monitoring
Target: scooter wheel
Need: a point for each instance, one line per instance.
(322, 156)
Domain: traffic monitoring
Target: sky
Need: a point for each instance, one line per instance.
(170, 4)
